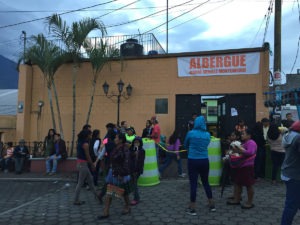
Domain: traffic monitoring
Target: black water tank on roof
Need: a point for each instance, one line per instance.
(131, 48)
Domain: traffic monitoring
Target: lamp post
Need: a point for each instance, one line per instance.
(120, 94)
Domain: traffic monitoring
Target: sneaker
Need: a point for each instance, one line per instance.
(134, 202)
(212, 208)
(191, 212)
(182, 175)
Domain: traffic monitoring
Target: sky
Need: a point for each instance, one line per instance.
(194, 25)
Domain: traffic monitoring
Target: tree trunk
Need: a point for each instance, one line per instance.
(91, 101)
(51, 107)
(74, 108)
(58, 111)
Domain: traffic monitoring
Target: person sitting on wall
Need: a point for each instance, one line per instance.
(21, 153)
(49, 142)
(59, 147)
(8, 157)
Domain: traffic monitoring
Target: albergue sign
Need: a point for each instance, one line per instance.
(218, 65)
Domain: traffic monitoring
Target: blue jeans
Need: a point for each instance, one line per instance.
(292, 201)
(52, 159)
(198, 167)
(19, 162)
(5, 163)
(136, 195)
(168, 160)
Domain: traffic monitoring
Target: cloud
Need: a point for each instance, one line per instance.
(215, 25)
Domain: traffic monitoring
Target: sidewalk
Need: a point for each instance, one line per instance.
(29, 176)
(35, 201)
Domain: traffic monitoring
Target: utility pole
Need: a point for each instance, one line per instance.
(275, 90)
(277, 40)
(167, 33)
(24, 39)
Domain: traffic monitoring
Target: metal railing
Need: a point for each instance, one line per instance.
(147, 41)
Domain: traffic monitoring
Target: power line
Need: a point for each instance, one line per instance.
(270, 10)
(297, 53)
(120, 24)
(298, 46)
(176, 17)
(87, 10)
(147, 16)
(117, 9)
(260, 26)
(71, 11)
(198, 16)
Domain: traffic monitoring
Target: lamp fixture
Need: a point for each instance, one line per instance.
(20, 107)
(40, 103)
(126, 94)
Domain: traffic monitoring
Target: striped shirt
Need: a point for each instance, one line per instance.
(9, 152)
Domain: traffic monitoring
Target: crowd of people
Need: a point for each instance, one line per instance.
(245, 152)
(120, 156)
(15, 157)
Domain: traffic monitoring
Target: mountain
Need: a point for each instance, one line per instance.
(9, 76)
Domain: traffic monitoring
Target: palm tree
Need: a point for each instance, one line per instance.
(73, 38)
(48, 57)
(98, 56)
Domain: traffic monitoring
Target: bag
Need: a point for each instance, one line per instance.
(64, 154)
(114, 191)
(237, 161)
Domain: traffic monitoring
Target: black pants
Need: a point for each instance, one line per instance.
(260, 162)
(277, 160)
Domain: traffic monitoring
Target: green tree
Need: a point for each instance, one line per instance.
(98, 57)
(73, 37)
(48, 57)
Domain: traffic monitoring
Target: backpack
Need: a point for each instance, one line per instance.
(64, 153)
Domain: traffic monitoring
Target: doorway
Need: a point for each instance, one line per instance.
(233, 107)
(229, 108)
(186, 105)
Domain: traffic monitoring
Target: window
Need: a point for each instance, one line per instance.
(161, 106)
(212, 110)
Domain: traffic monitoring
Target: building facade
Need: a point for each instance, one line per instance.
(162, 84)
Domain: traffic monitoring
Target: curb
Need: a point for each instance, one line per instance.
(38, 179)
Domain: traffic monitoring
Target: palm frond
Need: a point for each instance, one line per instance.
(46, 55)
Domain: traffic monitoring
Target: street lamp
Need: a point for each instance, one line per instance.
(120, 94)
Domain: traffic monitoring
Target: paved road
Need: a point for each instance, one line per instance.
(50, 202)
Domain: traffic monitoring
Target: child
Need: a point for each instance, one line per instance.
(137, 166)
(228, 172)
(173, 153)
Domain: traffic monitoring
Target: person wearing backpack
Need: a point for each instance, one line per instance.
(60, 152)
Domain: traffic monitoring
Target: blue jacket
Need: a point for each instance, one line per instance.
(291, 164)
(197, 140)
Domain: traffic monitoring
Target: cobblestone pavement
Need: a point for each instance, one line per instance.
(48, 201)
